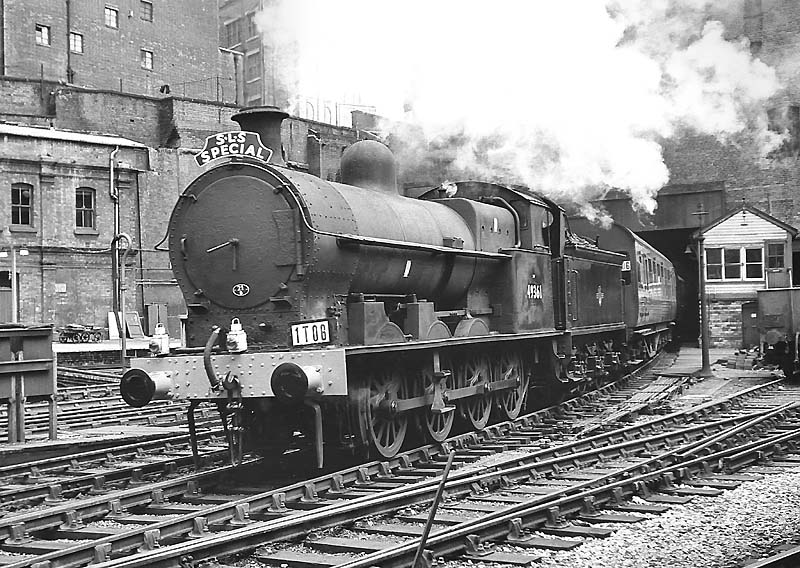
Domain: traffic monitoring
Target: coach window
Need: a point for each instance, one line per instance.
(776, 255)
(753, 263)
(639, 271)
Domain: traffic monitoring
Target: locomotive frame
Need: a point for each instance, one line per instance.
(442, 311)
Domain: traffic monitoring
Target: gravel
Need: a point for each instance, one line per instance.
(746, 522)
(742, 524)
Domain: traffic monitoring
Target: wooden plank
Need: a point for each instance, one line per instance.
(610, 518)
(504, 558)
(353, 545)
(304, 559)
(134, 325)
(574, 530)
(393, 529)
(546, 543)
(36, 546)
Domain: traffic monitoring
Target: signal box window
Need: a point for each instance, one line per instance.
(714, 264)
(112, 17)
(147, 59)
(22, 204)
(42, 35)
(146, 10)
(754, 263)
(75, 42)
(775, 255)
(733, 268)
(84, 208)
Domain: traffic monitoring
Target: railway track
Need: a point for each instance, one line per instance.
(788, 558)
(97, 403)
(544, 448)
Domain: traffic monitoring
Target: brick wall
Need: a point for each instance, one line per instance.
(67, 277)
(183, 37)
(725, 323)
(771, 184)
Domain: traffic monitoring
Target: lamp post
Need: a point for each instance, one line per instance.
(705, 370)
(14, 289)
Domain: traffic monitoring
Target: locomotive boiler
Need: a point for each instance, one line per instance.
(346, 314)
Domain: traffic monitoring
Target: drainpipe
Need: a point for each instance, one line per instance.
(69, 55)
(3, 37)
(114, 194)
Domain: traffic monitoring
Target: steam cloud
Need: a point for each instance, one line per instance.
(569, 98)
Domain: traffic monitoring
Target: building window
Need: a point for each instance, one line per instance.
(754, 263)
(252, 29)
(75, 42)
(42, 35)
(233, 32)
(112, 17)
(252, 66)
(727, 263)
(147, 59)
(785, 121)
(732, 270)
(775, 255)
(22, 204)
(84, 208)
(714, 264)
(146, 10)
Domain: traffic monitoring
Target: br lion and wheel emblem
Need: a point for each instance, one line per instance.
(240, 290)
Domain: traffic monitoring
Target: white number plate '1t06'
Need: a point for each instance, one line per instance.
(310, 333)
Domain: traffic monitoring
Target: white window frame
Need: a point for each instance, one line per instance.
(111, 11)
(147, 59)
(43, 35)
(75, 41)
(146, 9)
(743, 258)
(742, 262)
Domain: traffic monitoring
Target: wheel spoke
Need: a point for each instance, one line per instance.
(511, 401)
(386, 431)
(434, 426)
(475, 409)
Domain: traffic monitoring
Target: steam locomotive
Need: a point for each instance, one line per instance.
(349, 315)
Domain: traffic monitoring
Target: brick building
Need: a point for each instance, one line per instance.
(708, 178)
(75, 152)
(262, 80)
(744, 251)
(134, 46)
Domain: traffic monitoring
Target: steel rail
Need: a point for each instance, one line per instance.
(495, 526)
(55, 490)
(224, 512)
(238, 540)
(786, 559)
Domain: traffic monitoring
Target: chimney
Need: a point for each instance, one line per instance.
(266, 122)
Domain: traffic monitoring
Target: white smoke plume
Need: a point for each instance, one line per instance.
(572, 99)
